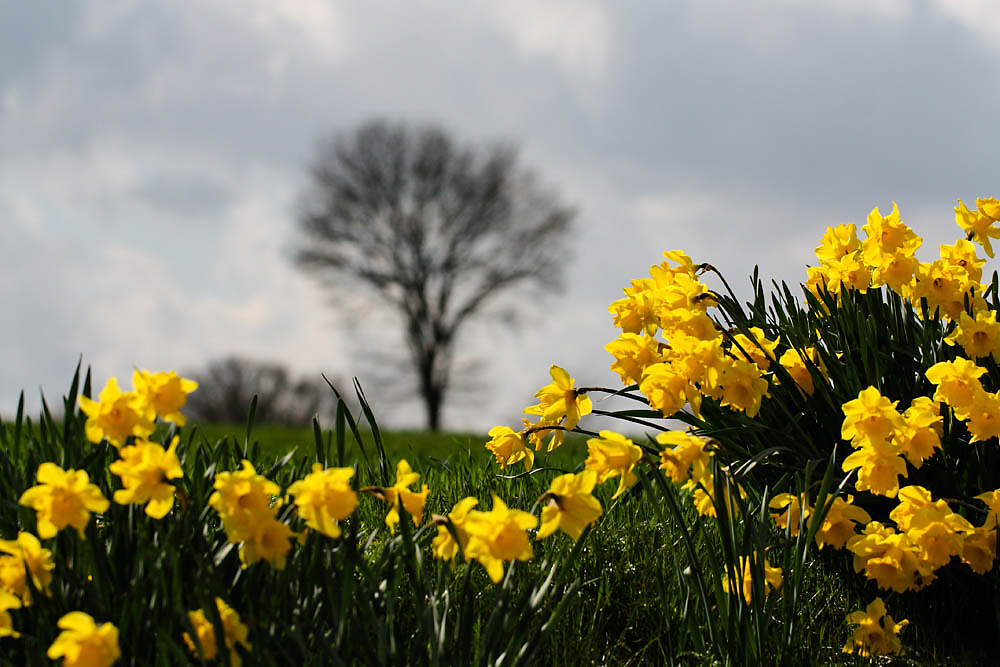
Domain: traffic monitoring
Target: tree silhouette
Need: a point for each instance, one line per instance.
(435, 228)
(227, 386)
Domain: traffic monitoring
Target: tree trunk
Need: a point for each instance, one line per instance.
(432, 408)
(432, 378)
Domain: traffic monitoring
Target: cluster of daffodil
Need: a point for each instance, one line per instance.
(501, 535)
(930, 532)
(64, 498)
(675, 354)
(247, 504)
(927, 533)
(887, 257)
(674, 350)
(569, 503)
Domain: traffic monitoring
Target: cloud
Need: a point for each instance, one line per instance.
(152, 153)
(574, 36)
(979, 17)
(878, 9)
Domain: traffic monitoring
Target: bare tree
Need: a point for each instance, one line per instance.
(226, 387)
(435, 228)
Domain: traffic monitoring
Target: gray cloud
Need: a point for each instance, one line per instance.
(184, 195)
(152, 152)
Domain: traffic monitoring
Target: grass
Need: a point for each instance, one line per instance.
(618, 616)
(277, 440)
(633, 603)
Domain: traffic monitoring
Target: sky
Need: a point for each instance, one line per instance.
(151, 155)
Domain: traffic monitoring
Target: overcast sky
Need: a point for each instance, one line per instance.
(151, 153)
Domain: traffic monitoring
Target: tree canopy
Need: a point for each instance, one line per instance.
(437, 229)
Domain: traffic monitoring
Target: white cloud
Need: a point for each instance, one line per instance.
(882, 9)
(23, 212)
(102, 18)
(318, 24)
(574, 36)
(980, 17)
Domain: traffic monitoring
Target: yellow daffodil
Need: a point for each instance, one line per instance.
(571, 505)
(979, 336)
(685, 455)
(988, 206)
(164, 393)
(8, 601)
(266, 539)
(738, 384)
(992, 500)
(145, 469)
(879, 466)
(559, 400)
(848, 272)
(895, 270)
(796, 366)
(207, 648)
(876, 634)
(912, 499)
(795, 509)
(84, 643)
(957, 382)
(325, 497)
(22, 557)
(613, 455)
(931, 525)
(963, 255)
(887, 235)
(63, 498)
(116, 415)
(983, 416)
(693, 357)
(819, 280)
(979, 549)
(635, 312)
(678, 295)
(685, 264)
(921, 434)
(889, 558)
(688, 322)
(509, 447)
(413, 501)
(633, 354)
(978, 224)
(665, 388)
(936, 538)
(946, 287)
(870, 418)
(498, 536)
(537, 432)
(444, 545)
(838, 241)
(839, 523)
(772, 579)
(243, 500)
(759, 349)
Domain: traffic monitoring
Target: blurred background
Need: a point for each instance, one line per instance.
(154, 157)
